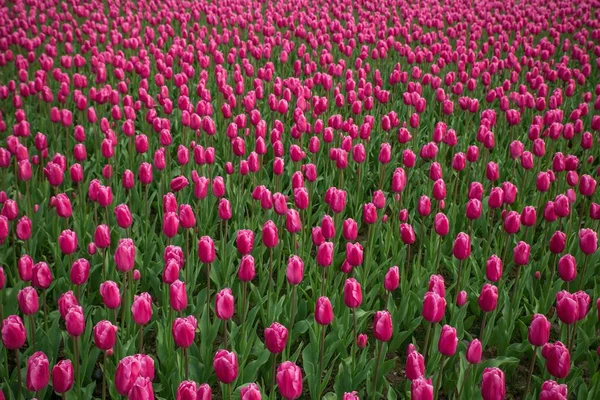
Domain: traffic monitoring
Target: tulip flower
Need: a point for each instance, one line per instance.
(558, 359)
(62, 376)
(421, 389)
(415, 364)
(553, 391)
(38, 372)
(492, 384)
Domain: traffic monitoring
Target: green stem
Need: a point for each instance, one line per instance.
(439, 377)
(531, 367)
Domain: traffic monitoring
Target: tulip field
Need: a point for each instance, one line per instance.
(300, 199)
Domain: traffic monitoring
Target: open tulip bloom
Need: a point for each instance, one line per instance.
(302, 197)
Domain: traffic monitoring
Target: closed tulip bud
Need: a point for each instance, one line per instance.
(128, 180)
(325, 254)
(424, 206)
(63, 206)
(67, 241)
(190, 390)
(270, 234)
(539, 330)
(567, 268)
(493, 268)
(462, 246)
(553, 391)
(392, 279)
(354, 254)
(562, 206)
(496, 199)
(461, 300)
(512, 222)
(382, 326)
(218, 187)
(415, 364)
(65, 302)
(178, 295)
(289, 380)
(276, 337)
(23, 228)
(246, 270)
(437, 285)
(224, 209)
(369, 213)
(327, 227)
(141, 309)
(295, 270)
(521, 253)
(439, 190)
(292, 221)
(75, 321)
(434, 307)
(491, 171)
(145, 173)
(567, 307)
(28, 300)
(350, 229)
(558, 242)
(102, 236)
(352, 293)
(62, 376)
(549, 213)
(474, 352)
(170, 272)
(473, 210)
(587, 185)
(250, 392)
(528, 216)
(225, 364)
(379, 199)
(509, 192)
(80, 271)
(13, 332)
(492, 384)
(184, 331)
(488, 299)
(323, 311)
(588, 241)
(2, 278)
(25, 268)
(583, 301)
(105, 335)
(141, 389)
(361, 340)
(128, 370)
(125, 255)
(187, 218)
(170, 224)
(206, 250)
(244, 241)
(224, 304)
(558, 359)
(407, 234)
(111, 296)
(317, 236)
(448, 341)
(421, 389)
(38, 372)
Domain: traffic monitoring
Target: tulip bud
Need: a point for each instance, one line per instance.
(289, 380)
(276, 338)
(225, 364)
(382, 326)
(141, 309)
(38, 372)
(224, 304)
(448, 341)
(492, 385)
